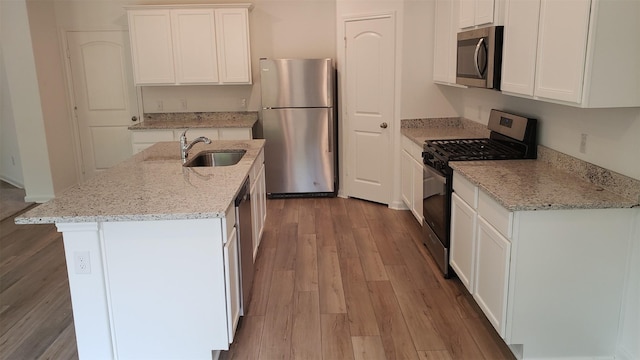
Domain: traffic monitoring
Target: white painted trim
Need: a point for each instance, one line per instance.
(38, 198)
(77, 227)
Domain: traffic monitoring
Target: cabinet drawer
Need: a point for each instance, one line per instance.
(151, 136)
(412, 148)
(235, 134)
(230, 220)
(495, 214)
(465, 190)
(255, 169)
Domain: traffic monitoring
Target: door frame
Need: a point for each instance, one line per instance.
(62, 34)
(345, 126)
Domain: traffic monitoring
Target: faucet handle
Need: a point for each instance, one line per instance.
(184, 134)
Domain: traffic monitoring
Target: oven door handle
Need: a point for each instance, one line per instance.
(435, 173)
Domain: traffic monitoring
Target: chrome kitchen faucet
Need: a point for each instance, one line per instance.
(184, 148)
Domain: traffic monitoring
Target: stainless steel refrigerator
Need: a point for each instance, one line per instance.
(299, 125)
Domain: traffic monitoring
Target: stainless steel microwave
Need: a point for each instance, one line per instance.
(479, 61)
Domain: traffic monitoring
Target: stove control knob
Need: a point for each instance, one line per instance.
(428, 155)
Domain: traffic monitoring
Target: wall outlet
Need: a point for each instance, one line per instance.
(159, 105)
(243, 103)
(583, 143)
(183, 104)
(82, 262)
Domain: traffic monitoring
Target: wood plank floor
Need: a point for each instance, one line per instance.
(335, 279)
(349, 279)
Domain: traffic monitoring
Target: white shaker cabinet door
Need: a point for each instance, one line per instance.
(194, 35)
(151, 46)
(232, 282)
(492, 274)
(233, 40)
(520, 46)
(562, 46)
(463, 241)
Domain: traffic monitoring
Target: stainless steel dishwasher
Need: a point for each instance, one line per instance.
(245, 237)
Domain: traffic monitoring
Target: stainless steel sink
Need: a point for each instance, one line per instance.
(215, 158)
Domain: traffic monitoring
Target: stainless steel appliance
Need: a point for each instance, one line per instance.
(511, 137)
(245, 240)
(479, 61)
(299, 124)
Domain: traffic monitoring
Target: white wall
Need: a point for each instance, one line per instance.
(22, 82)
(10, 165)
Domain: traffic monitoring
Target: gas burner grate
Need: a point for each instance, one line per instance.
(473, 149)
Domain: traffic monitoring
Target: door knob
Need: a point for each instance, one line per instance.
(134, 118)
(384, 125)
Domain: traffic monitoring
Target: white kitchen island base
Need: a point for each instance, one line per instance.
(150, 289)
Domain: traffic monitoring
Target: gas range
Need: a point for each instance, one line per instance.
(511, 137)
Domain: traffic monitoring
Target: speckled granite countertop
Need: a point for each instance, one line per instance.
(554, 181)
(162, 121)
(421, 130)
(152, 185)
(522, 185)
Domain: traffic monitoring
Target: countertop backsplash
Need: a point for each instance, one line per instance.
(607, 179)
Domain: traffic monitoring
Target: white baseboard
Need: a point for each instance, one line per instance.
(11, 181)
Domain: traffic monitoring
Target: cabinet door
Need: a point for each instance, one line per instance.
(467, 13)
(519, 47)
(463, 241)
(232, 283)
(417, 182)
(484, 12)
(233, 42)
(151, 46)
(194, 37)
(562, 46)
(406, 173)
(492, 274)
(442, 40)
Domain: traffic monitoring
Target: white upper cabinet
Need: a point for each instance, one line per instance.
(233, 46)
(478, 12)
(195, 44)
(586, 52)
(445, 47)
(151, 46)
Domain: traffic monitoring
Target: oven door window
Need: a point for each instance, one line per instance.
(435, 203)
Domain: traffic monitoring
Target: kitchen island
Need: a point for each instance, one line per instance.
(150, 248)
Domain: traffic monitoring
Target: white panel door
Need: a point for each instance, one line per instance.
(463, 241)
(370, 53)
(104, 97)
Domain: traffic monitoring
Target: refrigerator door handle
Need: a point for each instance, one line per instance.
(330, 137)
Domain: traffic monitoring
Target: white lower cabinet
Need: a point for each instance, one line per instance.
(551, 282)
(463, 241)
(258, 201)
(492, 274)
(142, 139)
(232, 282)
(412, 178)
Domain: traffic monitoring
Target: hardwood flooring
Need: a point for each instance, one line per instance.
(349, 279)
(335, 279)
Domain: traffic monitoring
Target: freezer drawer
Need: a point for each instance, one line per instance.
(299, 151)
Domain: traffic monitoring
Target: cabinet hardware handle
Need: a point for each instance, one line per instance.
(384, 125)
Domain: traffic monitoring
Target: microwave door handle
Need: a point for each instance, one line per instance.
(475, 57)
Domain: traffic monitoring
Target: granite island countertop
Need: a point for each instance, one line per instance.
(152, 185)
(168, 121)
(525, 185)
